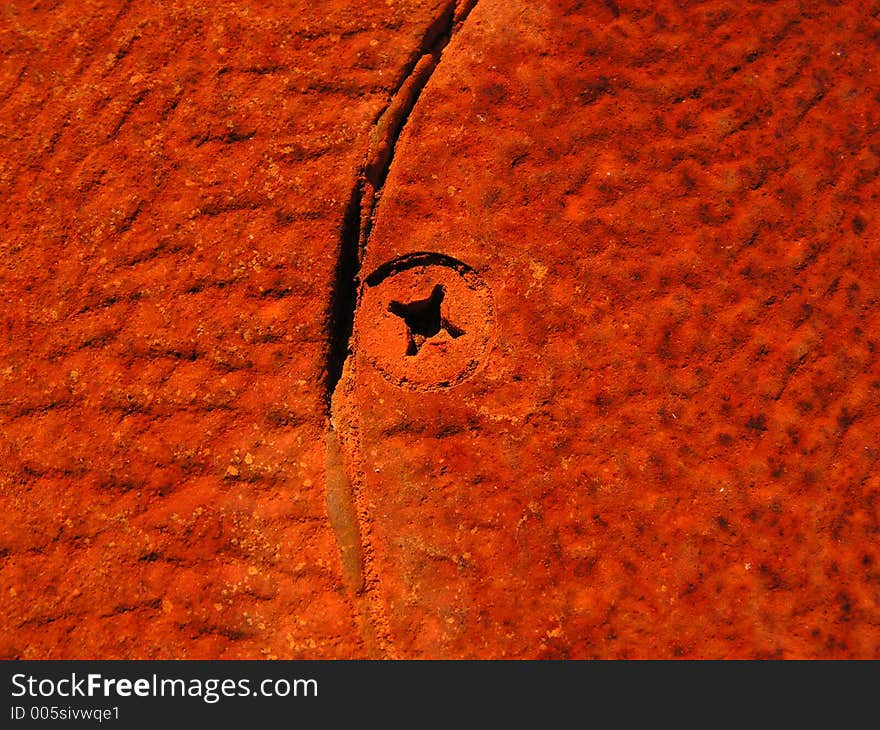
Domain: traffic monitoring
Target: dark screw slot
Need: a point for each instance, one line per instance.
(423, 319)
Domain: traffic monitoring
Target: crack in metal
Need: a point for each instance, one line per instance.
(348, 516)
(358, 220)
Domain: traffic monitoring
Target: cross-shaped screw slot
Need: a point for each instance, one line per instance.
(424, 320)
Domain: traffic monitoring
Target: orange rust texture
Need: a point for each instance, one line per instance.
(671, 448)
(173, 178)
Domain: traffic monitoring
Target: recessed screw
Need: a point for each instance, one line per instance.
(425, 321)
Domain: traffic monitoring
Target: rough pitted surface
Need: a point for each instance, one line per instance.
(670, 448)
(173, 180)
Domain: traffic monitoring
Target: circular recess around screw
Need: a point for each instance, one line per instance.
(426, 321)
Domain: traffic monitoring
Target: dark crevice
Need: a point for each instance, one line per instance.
(433, 41)
(344, 294)
(357, 223)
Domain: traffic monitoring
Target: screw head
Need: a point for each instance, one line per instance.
(426, 321)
